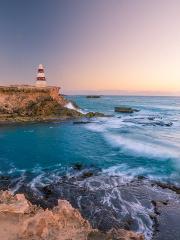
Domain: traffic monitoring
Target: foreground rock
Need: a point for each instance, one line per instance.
(124, 109)
(19, 219)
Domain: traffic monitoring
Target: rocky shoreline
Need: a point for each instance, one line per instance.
(104, 200)
(19, 219)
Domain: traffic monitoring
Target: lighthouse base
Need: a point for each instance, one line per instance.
(41, 84)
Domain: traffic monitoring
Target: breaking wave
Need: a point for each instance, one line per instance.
(148, 149)
(70, 105)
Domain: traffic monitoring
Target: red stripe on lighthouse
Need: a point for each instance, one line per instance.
(40, 70)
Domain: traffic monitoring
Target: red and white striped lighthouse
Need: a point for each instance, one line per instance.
(41, 79)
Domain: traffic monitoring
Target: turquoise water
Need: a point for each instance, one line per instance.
(144, 143)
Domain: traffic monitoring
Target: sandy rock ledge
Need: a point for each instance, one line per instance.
(20, 220)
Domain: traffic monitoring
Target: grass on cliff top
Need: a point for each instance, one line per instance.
(22, 90)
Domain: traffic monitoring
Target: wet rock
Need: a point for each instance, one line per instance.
(167, 221)
(149, 122)
(78, 166)
(151, 118)
(47, 190)
(4, 178)
(4, 182)
(87, 174)
(168, 186)
(140, 177)
(166, 124)
(120, 234)
(81, 122)
(94, 114)
(124, 109)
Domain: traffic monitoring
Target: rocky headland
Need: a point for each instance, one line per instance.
(32, 104)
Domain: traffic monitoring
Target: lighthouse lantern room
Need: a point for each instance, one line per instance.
(41, 79)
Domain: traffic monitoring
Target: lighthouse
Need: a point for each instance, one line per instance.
(41, 79)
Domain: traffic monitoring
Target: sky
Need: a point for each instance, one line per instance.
(98, 46)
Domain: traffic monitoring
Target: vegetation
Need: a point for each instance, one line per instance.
(14, 89)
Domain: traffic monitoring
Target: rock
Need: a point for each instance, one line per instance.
(141, 177)
(87, 174)
(151, 118)
(94, 114)
(81, 122)
(161, 123)
(4, 178)
(168, 186)
(123, 109)
(93, 96)
(78, 166)
(167, 221)
(47, 190)
(17, 204)
(120, 234)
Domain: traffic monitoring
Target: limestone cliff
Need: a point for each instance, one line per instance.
(20, 103)
(19, 219)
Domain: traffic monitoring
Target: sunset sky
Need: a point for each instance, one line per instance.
(111, 46)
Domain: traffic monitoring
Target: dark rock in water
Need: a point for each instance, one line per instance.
(94, 114)
(78, 166)
(5, 182)
(149, 122)
(124, 109)
(4, 177)
(47, 190)
(81, 122)
(151, 118)
(161, 123)
(115, 234)
(168, 186)
(93, 96)
(87, 174)
(140, 177)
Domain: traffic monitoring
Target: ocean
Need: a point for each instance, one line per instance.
(113, 150)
